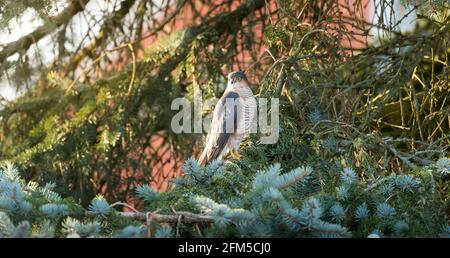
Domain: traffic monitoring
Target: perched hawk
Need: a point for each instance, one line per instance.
(233, 119)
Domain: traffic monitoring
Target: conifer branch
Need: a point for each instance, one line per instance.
(111, 22)
(169, 218)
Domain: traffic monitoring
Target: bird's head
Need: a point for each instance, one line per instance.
(237, 79)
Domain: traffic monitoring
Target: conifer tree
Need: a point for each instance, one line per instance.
(364, 119)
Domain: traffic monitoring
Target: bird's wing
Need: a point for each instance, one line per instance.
(223, 125)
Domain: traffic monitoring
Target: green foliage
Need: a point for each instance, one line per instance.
(134, 232)
(29, 210)
(268, 208)
(147, 193)
(164, 232)
(10, 9)
(363, 134)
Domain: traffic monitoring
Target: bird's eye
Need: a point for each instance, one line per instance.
(238, 79)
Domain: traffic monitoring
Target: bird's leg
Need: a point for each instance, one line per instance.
(235, 154)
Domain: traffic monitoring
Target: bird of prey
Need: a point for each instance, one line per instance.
(233, 119)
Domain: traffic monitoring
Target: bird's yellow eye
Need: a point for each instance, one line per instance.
(238, 79)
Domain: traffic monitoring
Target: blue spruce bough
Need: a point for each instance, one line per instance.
(337, 212)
